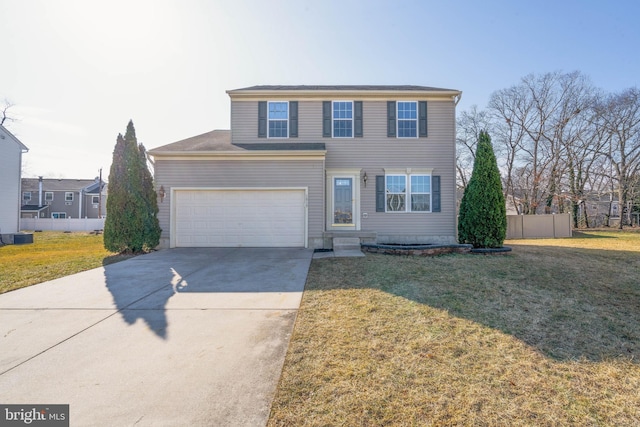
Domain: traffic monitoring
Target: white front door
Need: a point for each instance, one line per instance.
(343, 211)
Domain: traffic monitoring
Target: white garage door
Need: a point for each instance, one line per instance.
(235, 218)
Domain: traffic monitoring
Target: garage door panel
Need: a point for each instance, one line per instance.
(231, 218)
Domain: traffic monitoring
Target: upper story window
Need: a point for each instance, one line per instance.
(48, 196)
(278, 119)
(407, 119)
(68, 196)
(342, 119)
(95, 200)
(26, 196)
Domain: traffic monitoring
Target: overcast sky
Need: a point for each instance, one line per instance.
(77, 71)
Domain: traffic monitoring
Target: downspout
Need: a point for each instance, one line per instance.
(39, 191)
(80, 201)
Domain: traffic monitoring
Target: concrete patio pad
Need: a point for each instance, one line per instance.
(176, 337)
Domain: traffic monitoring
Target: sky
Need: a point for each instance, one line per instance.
(78, 71)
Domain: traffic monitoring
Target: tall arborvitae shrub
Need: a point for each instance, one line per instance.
(483, 217)
(151, 224)
(131, 225)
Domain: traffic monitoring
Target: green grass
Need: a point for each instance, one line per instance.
(52, 255)
(547, 335)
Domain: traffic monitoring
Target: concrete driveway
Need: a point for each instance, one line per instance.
(176, 337)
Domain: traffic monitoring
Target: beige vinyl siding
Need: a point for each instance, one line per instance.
(244, 123)
(10, 196)
(374, 152)
(246, 174)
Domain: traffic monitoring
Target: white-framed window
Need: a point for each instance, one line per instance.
(408, 193)
(342, 118)
(95, 200)
(420, 190)
(68, 196)
(396, 190)
(26, 196)
(59, 215)
(278, 119)
(48, 196)
(407, 114)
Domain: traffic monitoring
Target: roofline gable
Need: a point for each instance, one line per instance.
(13, 137)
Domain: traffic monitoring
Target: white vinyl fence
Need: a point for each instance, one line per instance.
(538, 226)
(62, 224)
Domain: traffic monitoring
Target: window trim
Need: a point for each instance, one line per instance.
(47, 199)
(411, 193)
(24, 196)
(405, 193)
(352, 119)
(66, 196)
(59, 215)
(416, 120)
(96, 198)
(408, 173)
(269, 120)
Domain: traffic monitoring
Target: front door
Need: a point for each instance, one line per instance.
(343, 201)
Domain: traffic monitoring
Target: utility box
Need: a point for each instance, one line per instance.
(22, 238)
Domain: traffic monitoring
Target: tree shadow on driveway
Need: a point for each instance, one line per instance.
(207, 278)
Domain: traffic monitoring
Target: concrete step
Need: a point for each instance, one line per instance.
(346, 243)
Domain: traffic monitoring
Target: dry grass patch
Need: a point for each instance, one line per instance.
(52, 255)
(547, 335)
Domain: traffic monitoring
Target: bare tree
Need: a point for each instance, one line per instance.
(505, 106)
(5, 116)
(618, 118)
(539, 121)
(468, 127)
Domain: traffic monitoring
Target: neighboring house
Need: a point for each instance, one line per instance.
(11, 150)
(63, 198)
(304, 164)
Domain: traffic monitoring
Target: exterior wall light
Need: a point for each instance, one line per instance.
(161, 193)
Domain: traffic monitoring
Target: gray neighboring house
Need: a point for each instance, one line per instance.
(302, 165)
(11, 150)
(63, 198)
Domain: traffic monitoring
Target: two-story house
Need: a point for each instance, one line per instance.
(11, 150)
(304, 164)
(63, 198)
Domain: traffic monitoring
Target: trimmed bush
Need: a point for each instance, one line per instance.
(482, 220)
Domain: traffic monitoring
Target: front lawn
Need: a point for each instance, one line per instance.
(547, 335)
(53, 254)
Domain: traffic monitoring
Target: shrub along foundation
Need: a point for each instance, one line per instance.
(416, 249)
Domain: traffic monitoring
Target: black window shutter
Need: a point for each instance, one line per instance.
(380, 199)
(262, 119)
(435, 193)
(357, 119)
(422, 118)
(326, 119)
(391, 119)
(293, 119)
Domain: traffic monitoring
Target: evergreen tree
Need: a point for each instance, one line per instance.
(483, 217)
(131, 225)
